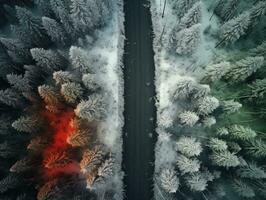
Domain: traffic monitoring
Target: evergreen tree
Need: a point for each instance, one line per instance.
(242, 189)
(79, 139)
(216, 144)
(192, 17)
(90, 82)
(207, 105)
(215, 72)
(232, 30)
(187, 40)
(22, 165)
(251, 171)
(257, 89)
(55, 31)
(11, 98)
(196, 182)
(183, 88)
(11, 181)
(19, 82)
(62, 77)
(231, 106)
(48, 59)
(91, 159)
(189, 146)
(27, 124)
(169, 180)
(187, 165)
(208, 121)
(259, 50)
(49, 95)
(181, 7)
(188, 118)
(228, 10)
(7, 150)
(244, 68)
(256, 148)
(106, 170)
(257, 11)
(92, 109)
(225, 159)
(71, 91)
(241, 133)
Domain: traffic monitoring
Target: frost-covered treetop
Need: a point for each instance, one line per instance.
(189, 146)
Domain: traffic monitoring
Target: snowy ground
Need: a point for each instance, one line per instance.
(169, 69)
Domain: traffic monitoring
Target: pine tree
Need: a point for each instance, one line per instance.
(79, 139)
(228, 10)
(48, 59)
(55, 31)
(244, 68)
(32, 25)
(222, 131)
(37, 144)
(216, 144)
(80, 60)
(215, 72)
(257, 11)
(22, 35)
(225, 159)
(241, 133)
(242, 189)
(183, 88)
(192, 17)
(251, 171)
(56, 159)
(48, 190)
(189, 146)
(11, 98)
(106, 170)
(91, 159)
(81, 15)
(234, 147)
(187, 40)
(188, 118)
(209, 121)
(196, 182)
(7, 150)
(92, 109)
(27, 124)
(187, 165)
(207, 105)
(62, 77)
(232, 30)
(71, 92)
(181, 7)
(256, 148)
(231, 106)
(259, 50)
(22, 165)
(49, 95)
(90, 82)
(257, 89)
(19, 82)
(168, 179)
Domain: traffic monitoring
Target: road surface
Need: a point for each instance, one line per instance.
(140, 110)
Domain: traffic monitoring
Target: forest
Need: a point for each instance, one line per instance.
(60, 69)
(210, 79)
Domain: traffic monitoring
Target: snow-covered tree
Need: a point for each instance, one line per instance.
(62, 77)
(48, 59)
(188, 118)
(181, 7)
(260, 50)
(56, 159)
(79, 139)
(186, 41)
(232, 30)
(19, 82)
(244, 68)
(106, 170)
(196, 182)
(225, 159)
(81, 16)
(91, 159)
(27, 124)
(92, 109)
(251, 171)
(192, 17)
(49, 95)
(90, 82)
(189, 146)
(168, 179)
(215, 72)
(256, 148)
(257, 11)
(222, 131)
(71, 91)
(207, 105)
(80, 60)
(209, 121)
(230, 106)
(216, 144)
(241, 133)
(199, 91)
(228, 9)
(258, 89)
(242, 189)
(183, 88)
(187, 165)
(11, 97)
(55, 31)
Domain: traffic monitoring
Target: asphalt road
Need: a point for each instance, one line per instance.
(140, 110)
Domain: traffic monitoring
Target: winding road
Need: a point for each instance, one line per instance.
(140, 111)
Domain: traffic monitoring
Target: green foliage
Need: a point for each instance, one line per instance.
(242, 189)
(224, 159)
(239, 132)
(251, 171)
(256, 148)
